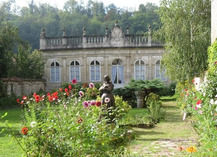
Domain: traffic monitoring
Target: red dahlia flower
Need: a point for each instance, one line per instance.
(24, 130)
(70, 86)
(98, 103)
(74, 81)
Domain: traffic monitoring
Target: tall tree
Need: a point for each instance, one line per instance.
(8, 40)
(186, 29)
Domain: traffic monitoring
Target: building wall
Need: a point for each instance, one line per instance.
(105, 49)
(106, 56)
(214, 20)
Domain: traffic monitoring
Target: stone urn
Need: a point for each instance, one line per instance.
(140, 98)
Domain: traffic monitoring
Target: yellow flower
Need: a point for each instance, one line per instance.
(191, 149)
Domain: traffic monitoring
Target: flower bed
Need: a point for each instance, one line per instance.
(69, 122)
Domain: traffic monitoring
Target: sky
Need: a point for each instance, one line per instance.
(130, 4)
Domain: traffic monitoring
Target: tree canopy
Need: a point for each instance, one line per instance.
(186, 30)
(94, 16)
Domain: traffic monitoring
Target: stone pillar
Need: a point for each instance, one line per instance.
(64, 40)
(149, 36)
(64, 74)
(140, 98)
(84, 39)
(42, 39)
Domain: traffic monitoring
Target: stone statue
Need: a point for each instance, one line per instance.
(106, 90)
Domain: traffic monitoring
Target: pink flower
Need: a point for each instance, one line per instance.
(91, 85)
(92, 103)
(85, 104)
(74, 81)
(107, 100)
(200, 111)
(186, 89)
(66, 90)
(81, 93)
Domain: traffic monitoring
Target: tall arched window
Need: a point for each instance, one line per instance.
(139, 70)
(95, 72)
(75, 71)
(159, 73)
(117, 72)
(55, 72)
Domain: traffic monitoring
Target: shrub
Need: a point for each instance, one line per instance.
(146, 86)
(168, 90)
(127, 95)
(154, 105)
(7, 102)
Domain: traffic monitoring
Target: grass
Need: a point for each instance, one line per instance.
(8, 146)
(136, 116)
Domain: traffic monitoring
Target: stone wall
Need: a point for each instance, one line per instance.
(214, 20)
(21, 87)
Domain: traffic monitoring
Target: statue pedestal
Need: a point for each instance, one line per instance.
(140, 98)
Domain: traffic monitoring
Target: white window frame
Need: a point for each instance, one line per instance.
(74, 70)
(95, 74)
(161, 73)
(140, 69)
(55, 74)
(117, 66)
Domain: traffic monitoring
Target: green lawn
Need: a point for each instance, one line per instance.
(8, 146)
(136, 116)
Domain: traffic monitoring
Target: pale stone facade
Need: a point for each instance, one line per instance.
(214, 20)
(122, 56)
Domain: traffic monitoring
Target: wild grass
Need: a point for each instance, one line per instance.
(8, 146)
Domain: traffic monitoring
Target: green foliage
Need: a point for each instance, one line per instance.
(127, 95)
(6, 102)
(122, 107)
(186, 49)
(64, 124)
(28, 64)
(8, 42)
(201, 105)
(146, 85)
(169, 90)
(154, 105)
